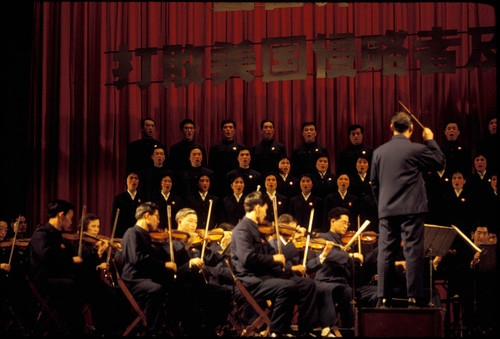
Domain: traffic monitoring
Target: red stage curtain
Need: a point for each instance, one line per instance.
(80, 127)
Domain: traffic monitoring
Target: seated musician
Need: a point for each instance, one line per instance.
(206, 304)
(337, 267)
(260, 269)
(327, 317)
(105, 312)
(52, 265)
(144, 271)
(5, 250)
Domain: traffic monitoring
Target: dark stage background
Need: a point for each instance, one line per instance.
(64, 131)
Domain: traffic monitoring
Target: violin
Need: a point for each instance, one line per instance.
(367, 238)
(214, 235)
(163, 236)
(22, 243)
(266, 228)
(315, 244)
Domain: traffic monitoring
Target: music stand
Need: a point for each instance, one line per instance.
(437, 242)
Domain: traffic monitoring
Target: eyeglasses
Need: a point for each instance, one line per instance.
(345, 222)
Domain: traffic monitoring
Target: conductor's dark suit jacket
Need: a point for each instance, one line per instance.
(397, 181)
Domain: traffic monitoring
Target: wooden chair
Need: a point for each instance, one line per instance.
(262, 315)
(48, 320)
(141, 315)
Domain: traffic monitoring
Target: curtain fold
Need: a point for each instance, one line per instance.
(80, 126)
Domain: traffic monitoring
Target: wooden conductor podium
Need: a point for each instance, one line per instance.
(400, 322)
(410, 322)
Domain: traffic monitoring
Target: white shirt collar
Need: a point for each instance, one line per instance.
(166, 195)
(132, 195)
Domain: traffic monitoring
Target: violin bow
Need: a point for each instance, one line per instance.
(170, 244)
(414, 117)
(276, 227)
(84, 211)
(308, 239)
(18, 221)
(359, 239)
(206, 229)
(112, 236)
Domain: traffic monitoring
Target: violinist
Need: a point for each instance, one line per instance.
(147, 274)
(4, 258)
(52, 265)
(260, 269)
(327, 318)
(337, 270)
(105, 310)
(23, 228)
(205, 305)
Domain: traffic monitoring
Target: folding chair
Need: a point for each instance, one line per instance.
(44, 310)
(141, 316)
(262, 318)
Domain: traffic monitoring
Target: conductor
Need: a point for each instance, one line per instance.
(399, 190)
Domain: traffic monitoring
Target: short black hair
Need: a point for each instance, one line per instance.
(227, 121)
(307, 123)
(401, 122)
(56, 206)
(306, 175)
(244, 148)
(87, 219)
(336, 212)
(184, 122)
(264, 121)
(143, 121)
(253, 199)
(159, 147)
(146, 207)
(451, 122)
(355, 127)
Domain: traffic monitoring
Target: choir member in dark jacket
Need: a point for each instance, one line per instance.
(139, 151)
(234, 210)
(479, 181)
(341, 198)
(166, 198)
(187, 180)
(251, 177)
(222, 156)
(127, 202)
(179, 152)
(457, 154)
(300, 205)
(149, 179)
(360, 186)
(323, 180)
(304, 156)
(437, 183)
(267, 153)
(288, 185)
(270, 184)
(200, 202)
(346, 162)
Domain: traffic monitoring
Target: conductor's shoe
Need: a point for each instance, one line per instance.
(412, 303)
